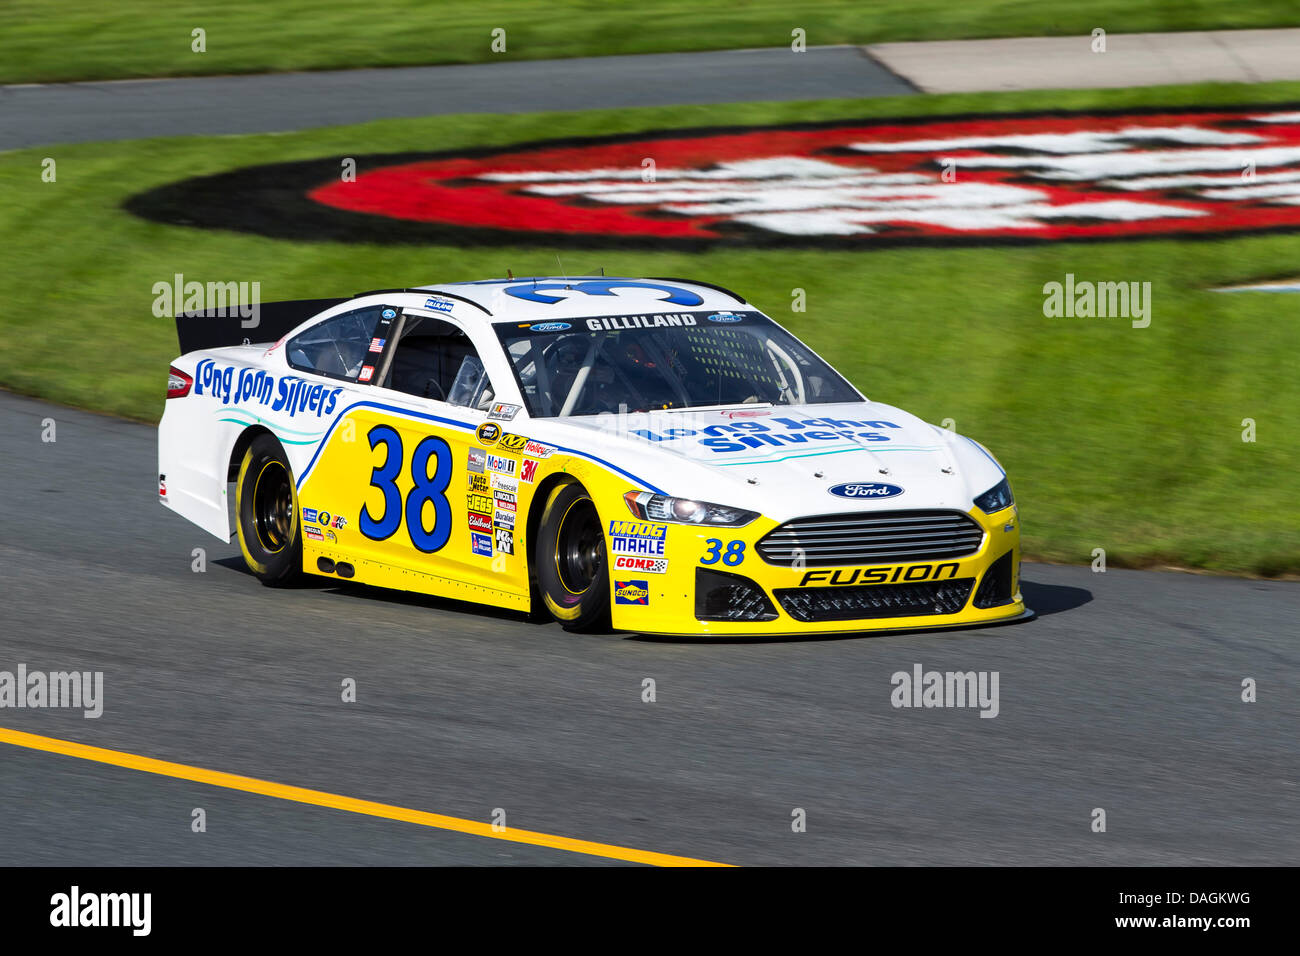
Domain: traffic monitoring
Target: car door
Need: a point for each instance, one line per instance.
(434, 501)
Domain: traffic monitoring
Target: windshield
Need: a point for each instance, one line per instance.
(639, 363)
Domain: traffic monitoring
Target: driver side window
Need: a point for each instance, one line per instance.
(435, 359)
(337, 347)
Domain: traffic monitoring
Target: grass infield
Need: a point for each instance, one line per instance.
(55, 40)
(1119, 438)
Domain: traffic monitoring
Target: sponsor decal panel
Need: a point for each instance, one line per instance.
(640, 538)
(632, 592)
(438, 304)
(366, 374)
(503, 519)
(377, 345)
(313, 532)
(502, 465)
(505, 541)
(478, 521)
(512, 442)
(528, 470)
(481, 544)
(309, 515)
(1029, 177)
(479, 484)
(536, 449)
(504, 411)
(777, 432)
(628, 562)
(480, 503)
(510, 485)
(488, 433)
(240, 385)
(477, 459)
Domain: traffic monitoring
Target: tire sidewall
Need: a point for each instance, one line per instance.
(272, 568)
(587, 611)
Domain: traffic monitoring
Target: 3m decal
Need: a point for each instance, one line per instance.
(427, 489)
(1030, 177)
(528, 470)
(632, 592)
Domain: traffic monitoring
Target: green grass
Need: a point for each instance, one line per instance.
(1116, 438)
(52, 40)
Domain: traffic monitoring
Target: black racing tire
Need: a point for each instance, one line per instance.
(266, 507)
(570, 560)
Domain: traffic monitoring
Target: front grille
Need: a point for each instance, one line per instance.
(876, 601)
(880, 538)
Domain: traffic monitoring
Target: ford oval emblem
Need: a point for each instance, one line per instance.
(865, 489)
(549, 327)
(726, 317)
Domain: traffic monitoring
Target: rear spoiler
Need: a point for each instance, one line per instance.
(266, 322)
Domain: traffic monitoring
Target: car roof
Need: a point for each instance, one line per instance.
(544, 297)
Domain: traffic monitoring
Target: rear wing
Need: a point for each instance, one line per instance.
(240, 324)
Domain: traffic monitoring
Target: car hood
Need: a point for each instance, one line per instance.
(794, 460)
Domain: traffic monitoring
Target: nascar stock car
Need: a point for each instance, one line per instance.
(651, 455)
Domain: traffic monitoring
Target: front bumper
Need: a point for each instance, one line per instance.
(716, 584)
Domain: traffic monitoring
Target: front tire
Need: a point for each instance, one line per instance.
(569, 555)
(266, 505)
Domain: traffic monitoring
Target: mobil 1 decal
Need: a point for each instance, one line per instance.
(858, 184)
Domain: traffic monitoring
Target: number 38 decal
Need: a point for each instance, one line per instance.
(735, 553)
(428, 488)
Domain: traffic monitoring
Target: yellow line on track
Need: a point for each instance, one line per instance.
(334, 801)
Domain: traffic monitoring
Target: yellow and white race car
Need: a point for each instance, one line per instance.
(652, 455)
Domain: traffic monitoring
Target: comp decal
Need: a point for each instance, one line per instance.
(1027, 177)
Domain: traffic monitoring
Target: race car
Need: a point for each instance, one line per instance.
(651, 455)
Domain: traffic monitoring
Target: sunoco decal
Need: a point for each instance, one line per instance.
(857, 184)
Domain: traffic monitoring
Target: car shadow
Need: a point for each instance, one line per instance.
(1048, 599)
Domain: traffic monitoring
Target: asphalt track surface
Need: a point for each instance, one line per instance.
(36, 115)
(1123, 694)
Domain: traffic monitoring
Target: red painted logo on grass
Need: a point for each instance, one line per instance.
(1022, 177)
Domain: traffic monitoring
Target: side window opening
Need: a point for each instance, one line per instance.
(337, 347)
(434, 359)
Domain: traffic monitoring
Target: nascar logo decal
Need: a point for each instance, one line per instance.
(860, 184)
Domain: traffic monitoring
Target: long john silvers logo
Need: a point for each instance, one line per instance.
(74, 690)
(1015, 178)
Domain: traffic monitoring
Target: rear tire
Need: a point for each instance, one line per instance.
(266, 506)
(569, 555)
